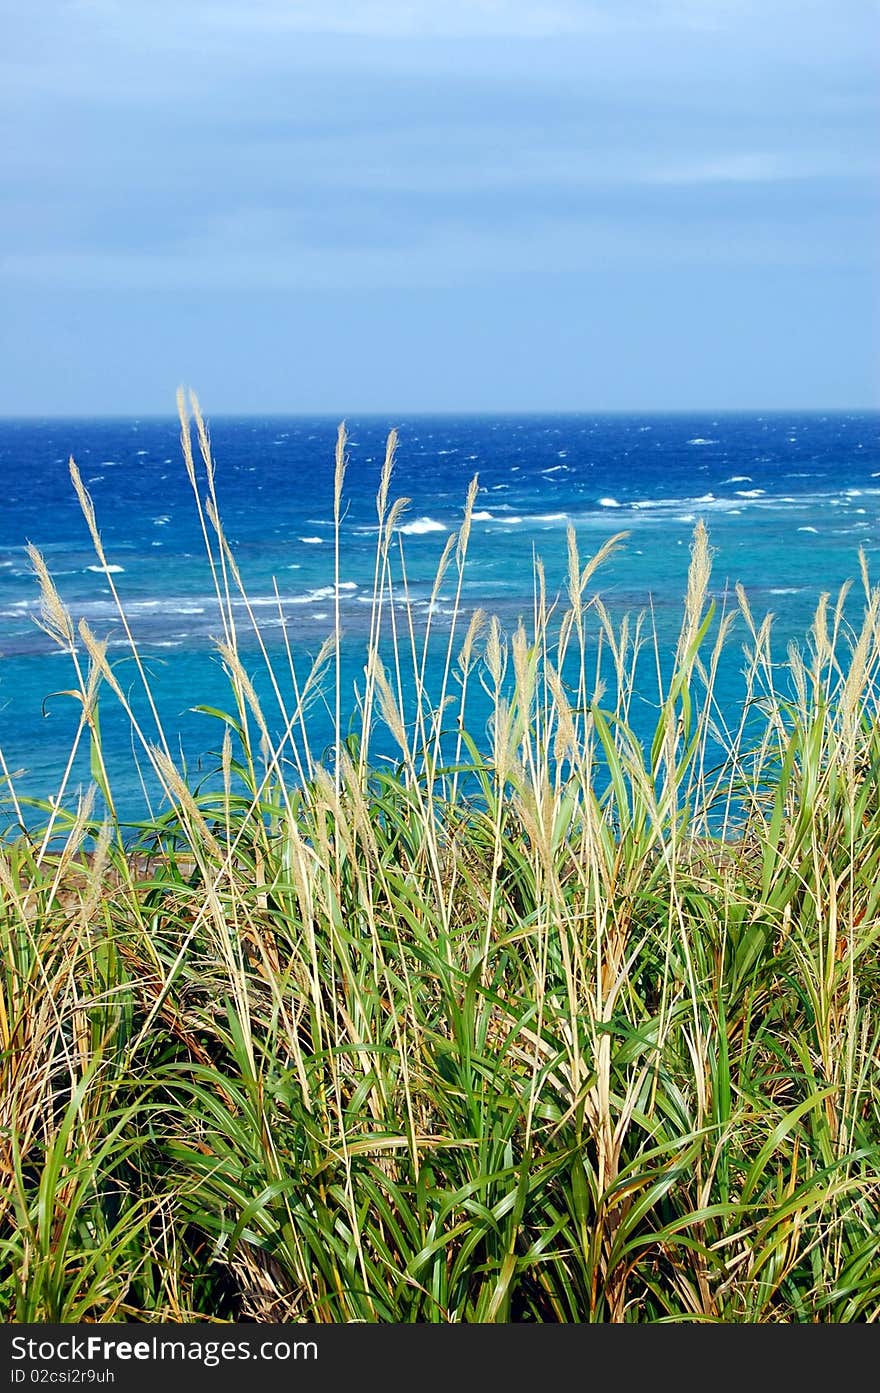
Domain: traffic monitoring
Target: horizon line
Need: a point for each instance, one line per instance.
(425, 412)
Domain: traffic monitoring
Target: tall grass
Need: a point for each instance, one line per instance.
(538, 1023)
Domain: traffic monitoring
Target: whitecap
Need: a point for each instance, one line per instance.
(704, 498)
(312, 541)
(739, 479)
(749, 493)
(482, 517)
(421, 526)
(808, 529)
(106, 570)
(608, 503)
(786, 590)
(698, 440)
(551, 517)
(321, 592)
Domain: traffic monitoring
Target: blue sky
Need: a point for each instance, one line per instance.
(403, 205)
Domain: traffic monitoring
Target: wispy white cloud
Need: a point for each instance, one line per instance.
(414, 19)
(434, 19)
(759, 167)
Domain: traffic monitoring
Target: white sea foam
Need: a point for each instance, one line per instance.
(704, 498)
(608, 503)
(808, 529)
(786, 590)
(321, 592)
(106, 570)
(698, 440)
(421, 526)
(551, 517)
(312, 541)
(554, 469)
(750, 493)
(482, 517)
(739, 479)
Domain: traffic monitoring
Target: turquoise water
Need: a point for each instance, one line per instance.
(788, 501)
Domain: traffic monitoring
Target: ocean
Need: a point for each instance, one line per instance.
(788, 500)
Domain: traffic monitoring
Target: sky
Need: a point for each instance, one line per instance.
(347, 206)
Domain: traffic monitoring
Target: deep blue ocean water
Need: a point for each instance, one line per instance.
(788, 500)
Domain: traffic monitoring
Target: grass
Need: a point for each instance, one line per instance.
(543, 1023)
